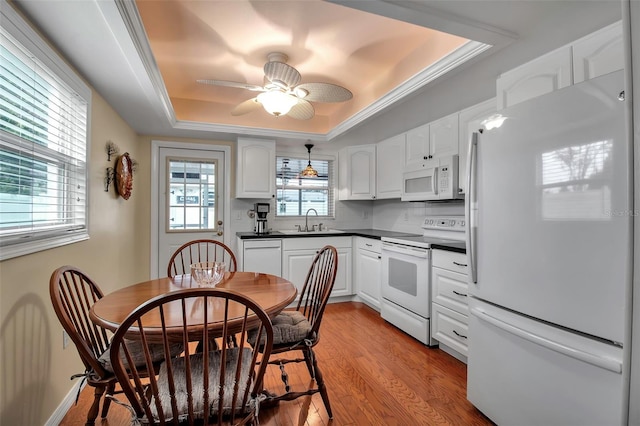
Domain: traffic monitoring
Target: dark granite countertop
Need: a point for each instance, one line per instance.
(367, 233)
(459, 247)
(375, 234)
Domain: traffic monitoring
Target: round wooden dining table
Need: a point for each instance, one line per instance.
(270, 292)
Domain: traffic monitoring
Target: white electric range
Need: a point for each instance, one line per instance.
(406, 274)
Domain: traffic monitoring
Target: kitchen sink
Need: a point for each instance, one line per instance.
(323, 232)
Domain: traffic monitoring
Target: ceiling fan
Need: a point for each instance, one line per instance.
(283, 94)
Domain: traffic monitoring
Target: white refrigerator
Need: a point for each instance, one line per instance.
(549, 235)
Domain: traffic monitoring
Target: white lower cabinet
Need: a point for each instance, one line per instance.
(368, 270)
(260, 256)
(450, 309)
(298, 253)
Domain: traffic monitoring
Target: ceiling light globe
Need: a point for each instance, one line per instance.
(276, 102)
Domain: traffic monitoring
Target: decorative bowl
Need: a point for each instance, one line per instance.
(208, 274)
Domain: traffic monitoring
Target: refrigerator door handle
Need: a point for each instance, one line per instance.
(590, 358)
(471, 206)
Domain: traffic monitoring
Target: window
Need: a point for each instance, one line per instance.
(296, 195)
(191, 201)
(44, 110)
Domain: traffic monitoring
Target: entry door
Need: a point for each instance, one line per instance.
(190, 199)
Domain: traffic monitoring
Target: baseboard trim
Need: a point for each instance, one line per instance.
(67, 402)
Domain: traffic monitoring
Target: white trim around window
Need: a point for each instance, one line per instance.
(44, 143)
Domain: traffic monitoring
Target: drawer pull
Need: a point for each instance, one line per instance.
(464, 265)
(368, 245)
(459, 335)
(459, 294)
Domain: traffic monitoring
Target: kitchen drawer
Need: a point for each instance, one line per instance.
(450, 328)
(450, 260)
(315, 243)
(450, 289)
(369, 244)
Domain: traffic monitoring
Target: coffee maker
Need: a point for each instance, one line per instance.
(261, 210)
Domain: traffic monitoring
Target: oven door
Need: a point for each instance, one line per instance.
(405, 277)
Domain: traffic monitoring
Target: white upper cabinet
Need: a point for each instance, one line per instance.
(591, 56)
(470, 121)
(542, 75)
(599, 53)
(443, 136)
(255, 168)
(417, 146)
(431, 140)
(389, 167)
(357, 173)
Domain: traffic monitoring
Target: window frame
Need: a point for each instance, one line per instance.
(38, 240)
(331, 181)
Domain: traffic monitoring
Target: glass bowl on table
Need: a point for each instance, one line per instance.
(208, 274)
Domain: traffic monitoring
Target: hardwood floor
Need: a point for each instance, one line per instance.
(376, 375)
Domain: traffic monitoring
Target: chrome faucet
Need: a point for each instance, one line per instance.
(306, 220)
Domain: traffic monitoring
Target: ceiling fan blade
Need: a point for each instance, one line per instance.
(246, 107)
(280, 72)
(226, 83)
(324, 92)
(303, 110)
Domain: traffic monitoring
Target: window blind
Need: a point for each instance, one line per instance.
(296, 195)
(43, 150)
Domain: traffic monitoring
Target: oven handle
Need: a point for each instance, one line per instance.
(407, 250)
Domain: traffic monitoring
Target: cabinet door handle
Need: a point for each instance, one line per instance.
(459, 294)
(464, 265)
(459, 335)
(379, 257)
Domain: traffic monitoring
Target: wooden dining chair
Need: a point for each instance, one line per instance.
(221, 384)
(299, 329)
(72, 295)
(200, 251)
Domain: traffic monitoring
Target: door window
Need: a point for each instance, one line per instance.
(191, 201)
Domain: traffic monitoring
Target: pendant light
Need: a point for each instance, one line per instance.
(309, 171)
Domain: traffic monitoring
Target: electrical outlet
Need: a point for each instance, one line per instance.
(365, 214)
(65, 339)
(238, 215)
(406, 215)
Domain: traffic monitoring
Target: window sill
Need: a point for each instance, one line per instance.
(22, 249)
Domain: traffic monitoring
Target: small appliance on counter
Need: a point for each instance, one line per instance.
(261, 210)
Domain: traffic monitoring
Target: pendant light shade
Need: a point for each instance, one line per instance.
(309, 171)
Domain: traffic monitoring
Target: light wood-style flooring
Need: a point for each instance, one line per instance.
(376, 375)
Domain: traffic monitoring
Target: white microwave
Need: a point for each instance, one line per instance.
(437, 179)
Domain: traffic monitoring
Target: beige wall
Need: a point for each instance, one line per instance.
(35, 370)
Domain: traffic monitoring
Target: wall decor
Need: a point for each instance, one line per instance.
(125, 167)
(111, 149)
(108, 178)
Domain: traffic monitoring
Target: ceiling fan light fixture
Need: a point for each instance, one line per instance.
(276, 102)
(309, 171)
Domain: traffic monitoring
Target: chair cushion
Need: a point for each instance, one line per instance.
(135, 348)
(290, 327)
(197, 386)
